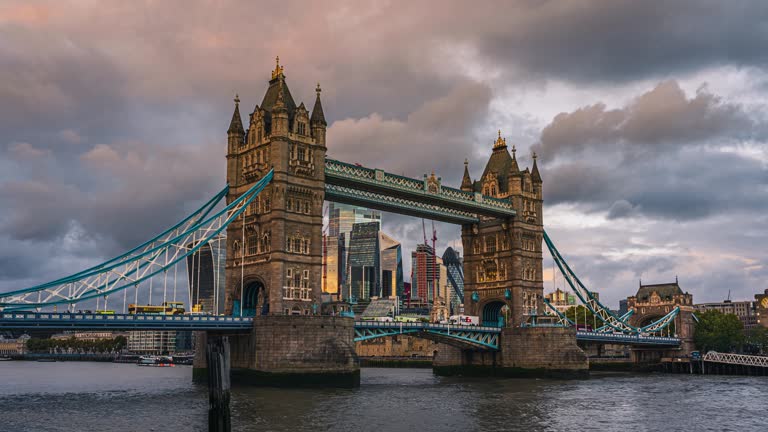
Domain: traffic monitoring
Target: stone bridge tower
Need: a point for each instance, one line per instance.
(652, 302)
(503, 258)
(274, 252)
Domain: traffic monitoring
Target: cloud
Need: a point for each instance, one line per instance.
(660, 118)
(444, 126)
(24, 151)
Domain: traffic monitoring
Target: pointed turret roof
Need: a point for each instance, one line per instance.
(513, 167)
(466, 182)
(317, 111)
(236, 125)
(278, 90)
(498, 163)
(535, 176)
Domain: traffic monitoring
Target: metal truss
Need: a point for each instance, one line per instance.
(396, 204)
(590, 301)
(626, 339)
(661, 323)
(562, 320)
(625, 317)
(88, 321)
(425, 191)
(142, 263)
(477, 337)
(736, 359)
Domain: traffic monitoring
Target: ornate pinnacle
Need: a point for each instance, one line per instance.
(318, 90)
(278, 69)
(500, 142)
(237, 99)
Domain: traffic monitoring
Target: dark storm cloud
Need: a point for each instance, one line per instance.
(660, 156)
(661, 118)
(593, 40)
(681, 186)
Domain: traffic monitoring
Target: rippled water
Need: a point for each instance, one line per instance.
(123, 397)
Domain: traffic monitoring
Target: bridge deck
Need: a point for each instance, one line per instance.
(91, 321)
(486, 337)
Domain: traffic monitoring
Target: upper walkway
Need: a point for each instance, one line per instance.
(427, 198)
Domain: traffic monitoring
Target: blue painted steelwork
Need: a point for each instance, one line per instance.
(479, 337)
(626, 339)
(563, 320)
(141, 263)
(625, 317)
(374, 188)
(593, 304)
(90, 321)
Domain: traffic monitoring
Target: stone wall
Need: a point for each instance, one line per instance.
(396, 346)
(292, 351)
(523, 352)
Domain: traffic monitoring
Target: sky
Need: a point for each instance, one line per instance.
(649, 119)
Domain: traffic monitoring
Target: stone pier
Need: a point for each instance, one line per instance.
(525, 352)
(295, 351)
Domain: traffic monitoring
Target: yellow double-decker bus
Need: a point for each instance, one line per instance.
(167, 308)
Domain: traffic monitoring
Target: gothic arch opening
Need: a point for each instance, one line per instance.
(492, 314)
(255, 301)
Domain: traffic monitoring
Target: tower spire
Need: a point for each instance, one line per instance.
(278, 69)
(236, 125)
(466, 181)
(318, 118)
(500, 142)
(535, 176)
(513, 167)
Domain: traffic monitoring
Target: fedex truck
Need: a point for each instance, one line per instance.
(464, 320)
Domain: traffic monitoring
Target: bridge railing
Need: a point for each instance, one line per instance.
(736, 359)
(425, 326)
(621, 337)
(20, 319)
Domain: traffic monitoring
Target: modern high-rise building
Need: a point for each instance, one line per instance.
(333, 263)
(341, 219)
(363, 261)
(152, 342)
(205, 273)
(391, 266)
(745, 310)
(425, 273)
(561, 300)
(455, 275)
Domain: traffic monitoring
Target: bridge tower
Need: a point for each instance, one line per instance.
(274, 253)
(652, 302)
(503, 258)
(274, 250)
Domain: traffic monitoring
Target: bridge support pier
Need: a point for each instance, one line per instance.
(293, 351)
(524, 352)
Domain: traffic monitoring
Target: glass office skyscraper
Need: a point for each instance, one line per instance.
(391, 266)
(205, 273)
(363, 261)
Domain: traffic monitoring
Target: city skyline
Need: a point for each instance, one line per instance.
(653, 154)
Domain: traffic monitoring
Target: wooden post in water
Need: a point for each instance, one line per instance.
(217, 353)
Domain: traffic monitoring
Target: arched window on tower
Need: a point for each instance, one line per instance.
(253, 242)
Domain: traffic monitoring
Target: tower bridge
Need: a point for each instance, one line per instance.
(278, 177)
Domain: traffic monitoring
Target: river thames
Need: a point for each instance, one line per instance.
(84, 396)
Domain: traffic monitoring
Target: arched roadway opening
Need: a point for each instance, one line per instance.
(492, 315)
(255, 301)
